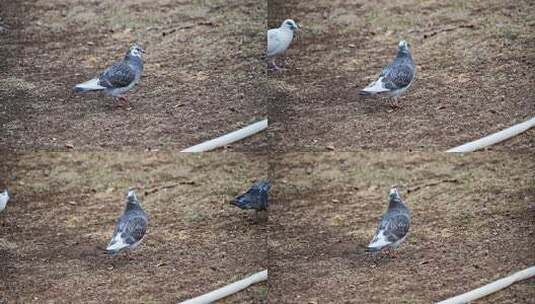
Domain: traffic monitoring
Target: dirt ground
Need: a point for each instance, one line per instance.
(475, 64)
(473, 221)
(65, 207)
(204, 74)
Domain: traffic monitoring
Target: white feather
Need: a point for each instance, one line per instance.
(379, 241)
(278, 41)
(4, 197)
(117, 243)
(376, 87)
(90, 85)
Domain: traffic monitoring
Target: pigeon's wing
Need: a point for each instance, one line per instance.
(275, 44)
(397, 76)
(118, 75)
(396, 227)
(263, 185)
(135, 229)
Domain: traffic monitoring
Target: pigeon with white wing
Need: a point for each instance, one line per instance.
(396, 77)
(131, 226)
(4, 198)
(279, 39)
(394, 225)
(119, 78)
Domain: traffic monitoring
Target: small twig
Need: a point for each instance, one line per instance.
(185, 27)
(450, 180)
(448, 29)
(156, 189)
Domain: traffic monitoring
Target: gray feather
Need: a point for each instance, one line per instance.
(131, 226)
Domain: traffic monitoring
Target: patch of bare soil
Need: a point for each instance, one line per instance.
(475, 64)
(64, 211)
(204, 74)
(473, 221)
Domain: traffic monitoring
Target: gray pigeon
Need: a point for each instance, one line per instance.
(279, 39)
(256, 197)
(4, 197)
(396, 77)
(394, 225)
(119, 78)
(131, 226)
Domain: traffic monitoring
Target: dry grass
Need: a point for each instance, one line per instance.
(472, 223)
(202, 78)
(65, 207)
(474, 65)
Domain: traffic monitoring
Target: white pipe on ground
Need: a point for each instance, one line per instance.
(229, 138)
(491, 288)
(495, 138)
(229, 289)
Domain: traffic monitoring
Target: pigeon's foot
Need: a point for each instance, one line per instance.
(272, 66)
(394, 103)
(392, 253)
(121, 101)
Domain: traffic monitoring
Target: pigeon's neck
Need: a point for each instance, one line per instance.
(396, 203)
(132, 206)
(404, 54)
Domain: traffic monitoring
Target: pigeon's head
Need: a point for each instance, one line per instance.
(404, 46)
(394, 193)
(136, 50)
(131, 197)
(290, 24)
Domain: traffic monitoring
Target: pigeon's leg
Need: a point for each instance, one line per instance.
(394, 103)
(260, 216)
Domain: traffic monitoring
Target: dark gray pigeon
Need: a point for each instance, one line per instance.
(131, 226)
(396, 77)
(394, 225)
(279, 39)
(255, 198)
(119, 78)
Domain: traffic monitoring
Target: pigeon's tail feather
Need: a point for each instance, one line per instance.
(112, 252)
(375, 87)
(373, 249)
(90, 85)
(117, 244)
(379, 241)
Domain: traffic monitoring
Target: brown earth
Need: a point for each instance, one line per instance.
(204, 74)
(64, 211)
(473, 221)
(475, 64)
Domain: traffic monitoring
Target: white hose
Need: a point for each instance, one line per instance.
(495, 138)
(229, 138)
(229, 289)
(490, 288)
